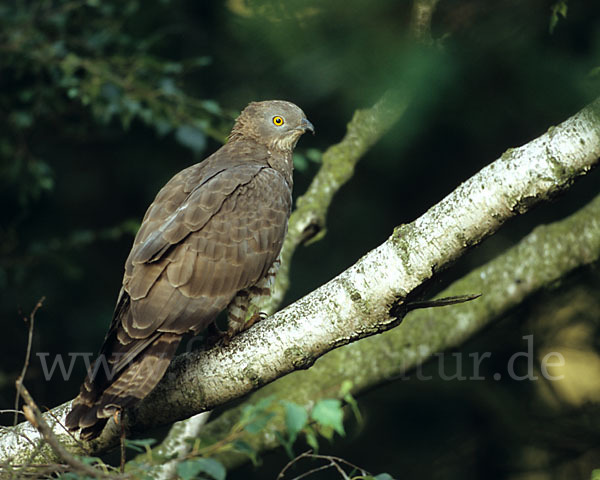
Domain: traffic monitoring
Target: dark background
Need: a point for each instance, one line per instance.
(101, 103)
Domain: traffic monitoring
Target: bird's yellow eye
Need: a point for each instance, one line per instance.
(278, 121)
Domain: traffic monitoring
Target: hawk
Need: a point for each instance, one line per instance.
(209, 241)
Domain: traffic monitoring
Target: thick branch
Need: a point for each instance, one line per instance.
(35, 418)
(538, 261)
(177, 444)
(358, 302)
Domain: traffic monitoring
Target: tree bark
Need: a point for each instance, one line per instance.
(539, 260)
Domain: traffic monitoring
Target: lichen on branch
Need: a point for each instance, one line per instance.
(548, 253)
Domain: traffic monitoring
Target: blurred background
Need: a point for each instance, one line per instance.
(101, 102)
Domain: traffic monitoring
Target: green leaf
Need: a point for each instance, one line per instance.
(300, 162)
(243, 447)
(346, 387)
(286, 444)
(595, 474)
(70, 476)
(558, 9)
(258, 424)
(191, 138)
(211, 106)
(562, 8)
(250, 412)
(329, 413)
(311, 439)
(384, 476)
(264, 403)
(172, 67)
(345, 390)
(22, 119)
(198, 62)
(162, 127)
(190, 469)
(110, 91)
(247, 449)
(140, 445)
(132, 105)
(168, 87)
(314, 155)
(89, 460)
(295, 419)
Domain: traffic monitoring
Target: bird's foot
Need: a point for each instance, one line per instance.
(257, 317)
(235, 327)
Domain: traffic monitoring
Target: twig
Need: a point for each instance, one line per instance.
(10, 410)
(38, 305)
(120, 420)
(66, 430)
(291, 462)
(178, 446)
(34, 416)
(436, 302)
(340, 460)
(313, 470)
(333, 462)
(38, 470)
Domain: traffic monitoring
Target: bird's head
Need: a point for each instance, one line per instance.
(276, 123)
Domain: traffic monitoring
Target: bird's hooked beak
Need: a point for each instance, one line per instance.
(305, 125)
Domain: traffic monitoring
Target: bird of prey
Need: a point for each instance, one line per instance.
(209, 241)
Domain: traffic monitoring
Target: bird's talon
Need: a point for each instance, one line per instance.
(257, 317)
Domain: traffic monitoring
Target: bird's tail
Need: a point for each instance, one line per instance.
(101, 396)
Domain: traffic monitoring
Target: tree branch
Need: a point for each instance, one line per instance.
(177, 445)
(35, 418)
(547, 254)
(360, 302)
(420, 25)
(21, 377)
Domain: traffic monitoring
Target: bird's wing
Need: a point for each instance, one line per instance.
(221, 239)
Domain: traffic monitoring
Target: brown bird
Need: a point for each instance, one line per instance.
(210, 240)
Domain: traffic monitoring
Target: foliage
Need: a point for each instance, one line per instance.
(93, 52)
(190, 469)
(326, 417)
(63, 61)
(559, 9)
